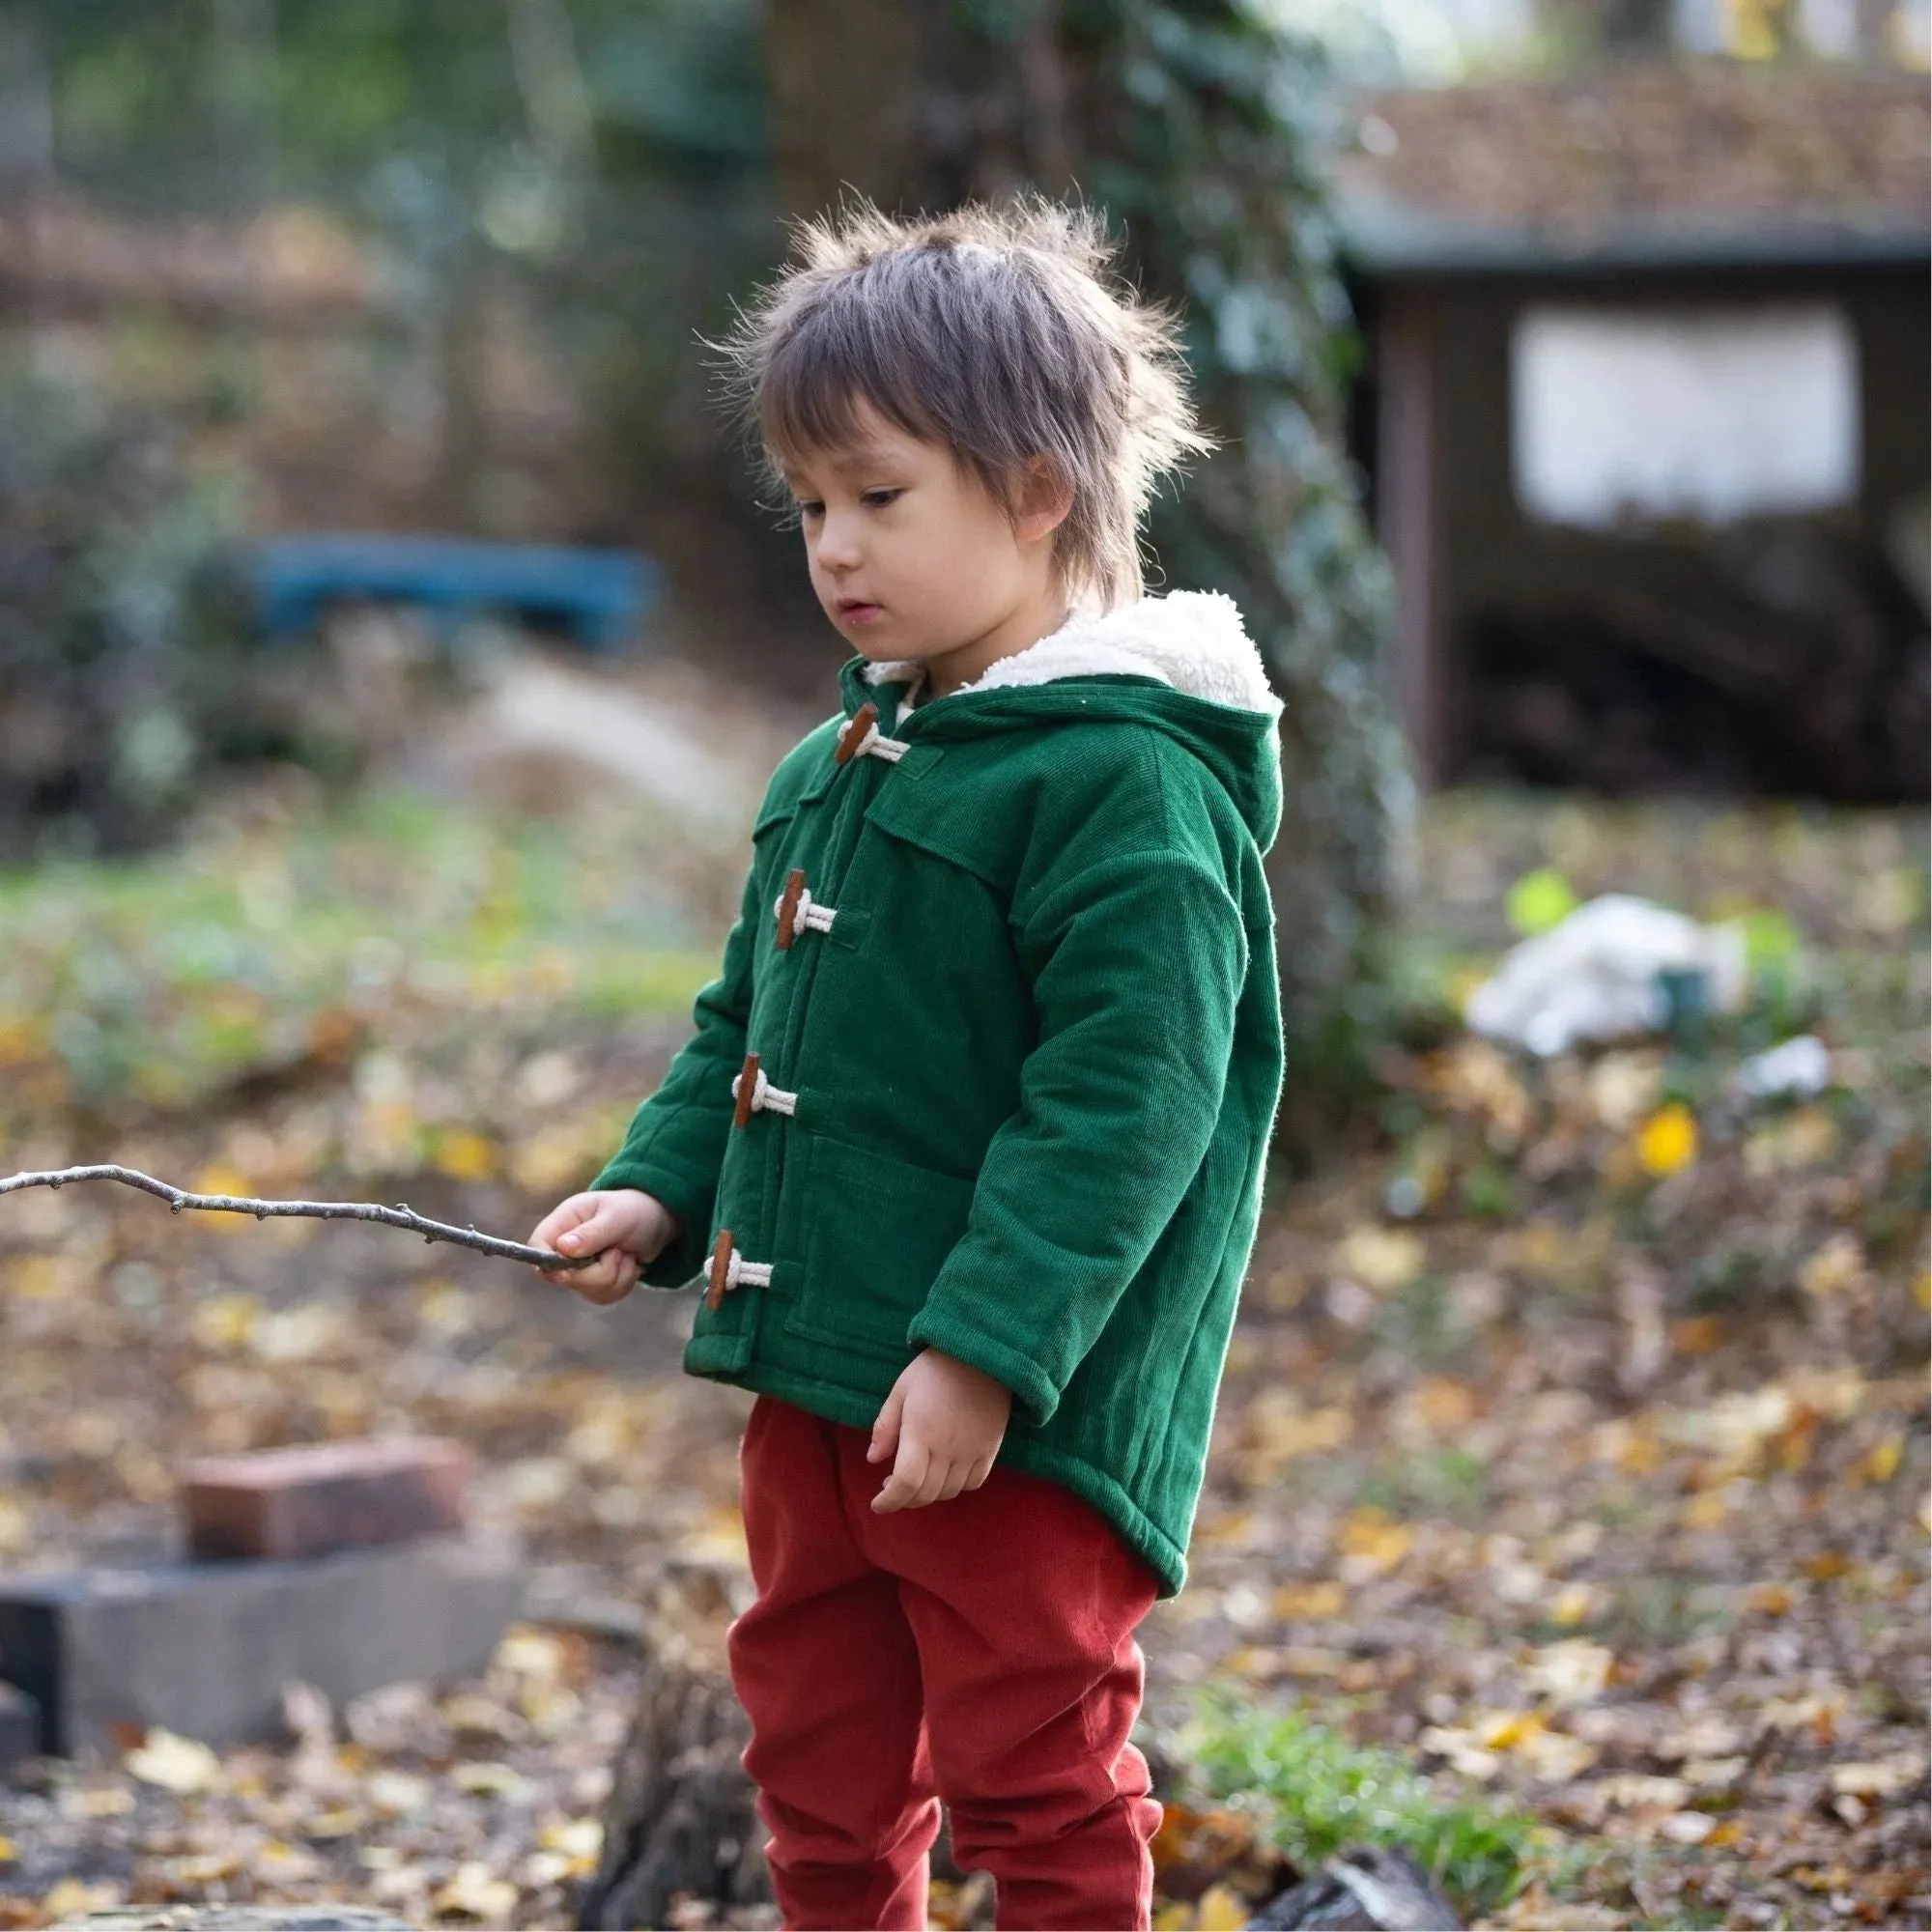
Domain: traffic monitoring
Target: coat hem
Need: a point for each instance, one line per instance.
(859, 1410)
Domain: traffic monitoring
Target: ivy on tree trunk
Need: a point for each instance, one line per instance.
(1200, 128)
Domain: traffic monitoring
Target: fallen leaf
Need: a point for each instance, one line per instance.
(1668, 1139)
(1382, 1259)
(1572, 1671)
(1879, 1780)
(177, 1764)
(1221, 1909)
(475, 1892)
(71, 1899)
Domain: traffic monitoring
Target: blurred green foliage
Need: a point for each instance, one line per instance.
(1312, 1792)
(162, 979)
(122, 625)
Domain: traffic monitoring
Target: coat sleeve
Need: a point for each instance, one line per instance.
(1137, 963)
(674, 1147)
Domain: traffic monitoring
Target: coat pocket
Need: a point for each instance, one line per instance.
(879, 1231)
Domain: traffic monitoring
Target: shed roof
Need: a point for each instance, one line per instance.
(1685, 162)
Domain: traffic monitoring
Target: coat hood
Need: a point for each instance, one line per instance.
(1183, 664)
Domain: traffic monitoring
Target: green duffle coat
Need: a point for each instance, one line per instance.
(1005, 962)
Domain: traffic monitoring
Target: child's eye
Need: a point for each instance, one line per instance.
(877, 500)
(808, 509)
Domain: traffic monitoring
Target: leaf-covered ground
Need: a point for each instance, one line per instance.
(1566, 1515)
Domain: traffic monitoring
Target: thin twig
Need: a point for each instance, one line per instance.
(401, 1216)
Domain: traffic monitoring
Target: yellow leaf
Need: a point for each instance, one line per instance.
(224, 1322)
(1921, 1288)
(1506, 1730)
(1770, 1600)
(1174, 1917)
(1369, 1538)
(528, 1652)
(8, 1850)
(1572, 1603)
(488, 1778)
(1322, 1600)
(16, 1526)
(465, 1155)
(72, 1897)
(580, 1840)
(1222, 1909)
(1384, 1259)
(20, 1040)
(719, 1538)
(1881, 1465)
(1825, 1565)
(1707, 1510)
(220, 1177)
(476, 1893)
(1668, 1139)
(46, 1277)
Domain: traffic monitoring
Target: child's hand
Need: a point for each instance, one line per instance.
(624, 1227)
(945, 1419)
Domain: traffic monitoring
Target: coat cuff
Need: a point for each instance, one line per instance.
(690, 1197)
(1033, 1390)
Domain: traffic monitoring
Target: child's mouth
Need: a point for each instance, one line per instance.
(850, 612)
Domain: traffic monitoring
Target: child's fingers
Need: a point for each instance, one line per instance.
(886, 1430)
(561, 1219)
(908, 1473)
(955, 1482)
(979, 1472)
(932, 1484)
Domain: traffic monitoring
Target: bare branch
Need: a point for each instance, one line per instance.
(401, 1216)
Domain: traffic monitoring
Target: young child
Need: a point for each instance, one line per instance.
(966, 1150)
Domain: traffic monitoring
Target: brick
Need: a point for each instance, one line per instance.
(19, 1727)
(309, 1500)
(205, 1648)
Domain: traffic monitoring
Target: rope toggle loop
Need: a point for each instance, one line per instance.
(862, 738)
(752, 1091)
(797, 911)
(727, 1269)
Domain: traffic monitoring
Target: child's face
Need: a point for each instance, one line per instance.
(911, 556)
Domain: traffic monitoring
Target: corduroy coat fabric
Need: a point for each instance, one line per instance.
(1032, 1058)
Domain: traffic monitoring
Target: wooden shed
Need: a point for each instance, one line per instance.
(1646, 418)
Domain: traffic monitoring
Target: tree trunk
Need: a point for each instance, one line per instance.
(679, 1819)
(1176, 118)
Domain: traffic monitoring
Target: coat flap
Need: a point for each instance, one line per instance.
(928, 816)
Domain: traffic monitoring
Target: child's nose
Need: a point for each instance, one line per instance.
(837, 544)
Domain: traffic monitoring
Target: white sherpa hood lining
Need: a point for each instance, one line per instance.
(1192, 639)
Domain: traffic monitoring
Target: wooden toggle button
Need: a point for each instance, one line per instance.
(849, 740)
(720, 1269)
(748, 1087)
(788, 907)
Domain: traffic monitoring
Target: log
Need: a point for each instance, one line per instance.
(679, 1821)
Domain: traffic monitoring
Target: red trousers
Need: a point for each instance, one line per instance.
(977, 1651)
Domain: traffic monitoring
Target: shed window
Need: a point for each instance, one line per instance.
(1710, 414)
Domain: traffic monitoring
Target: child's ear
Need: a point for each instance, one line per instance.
(1045, 498)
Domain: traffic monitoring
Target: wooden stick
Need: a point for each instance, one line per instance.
(401, 1216)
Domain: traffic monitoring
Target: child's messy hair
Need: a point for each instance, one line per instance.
(1000, 332)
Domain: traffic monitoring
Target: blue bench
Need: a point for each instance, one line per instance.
(601, 595)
